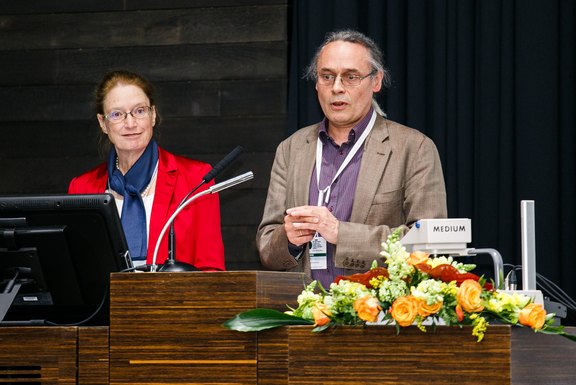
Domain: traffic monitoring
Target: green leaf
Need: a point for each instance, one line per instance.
(260, 319)
(318, 329)
(558, 330)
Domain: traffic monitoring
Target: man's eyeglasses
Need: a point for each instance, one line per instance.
(348, 80)
(117, 116)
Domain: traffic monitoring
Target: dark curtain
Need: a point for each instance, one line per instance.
(492, 82)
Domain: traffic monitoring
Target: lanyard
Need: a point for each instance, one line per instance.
(324, 194)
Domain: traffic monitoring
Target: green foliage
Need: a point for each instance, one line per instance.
(260, 319)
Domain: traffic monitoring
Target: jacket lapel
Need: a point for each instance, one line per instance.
(305, 159)
(100, 182)
(377, 151)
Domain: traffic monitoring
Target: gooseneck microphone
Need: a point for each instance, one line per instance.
(170, 264)
(216, 170)
(231, 157)
(213, 189)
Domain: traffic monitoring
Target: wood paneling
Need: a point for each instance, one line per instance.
(93, 360)
(358, 355)
(38, 355)
(542, 359)
(145, 28)
(66, 6)
(219, 68)
(158, 63)
(72, 102)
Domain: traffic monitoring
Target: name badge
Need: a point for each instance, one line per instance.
(318, 259)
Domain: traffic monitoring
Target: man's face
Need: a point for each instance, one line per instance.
(345, 106)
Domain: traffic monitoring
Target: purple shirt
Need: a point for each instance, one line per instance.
(343, 188)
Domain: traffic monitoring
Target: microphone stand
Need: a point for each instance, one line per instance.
(171, 264)
(213, 189)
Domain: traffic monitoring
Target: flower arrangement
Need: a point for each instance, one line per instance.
(413, 289)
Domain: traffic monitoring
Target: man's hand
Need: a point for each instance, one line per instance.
(301, 223)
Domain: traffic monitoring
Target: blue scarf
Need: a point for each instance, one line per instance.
(131, 187)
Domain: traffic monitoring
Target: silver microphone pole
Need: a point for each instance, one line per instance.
(212, 189)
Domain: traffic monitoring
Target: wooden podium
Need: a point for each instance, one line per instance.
(165, 328)
(378, 355)
(50, 355)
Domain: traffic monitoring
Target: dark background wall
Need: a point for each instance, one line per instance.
(220, 72)
(492, 82)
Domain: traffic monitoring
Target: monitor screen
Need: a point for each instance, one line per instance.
(59, 251)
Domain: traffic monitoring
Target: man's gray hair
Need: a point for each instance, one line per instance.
(376, 59)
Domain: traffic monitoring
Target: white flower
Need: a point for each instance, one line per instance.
(461, 267)
(390, 290)
(430, 290)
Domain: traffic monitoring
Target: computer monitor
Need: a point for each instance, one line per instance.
(59, 251)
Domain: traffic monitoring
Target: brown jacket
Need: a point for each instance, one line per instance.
(400, 181)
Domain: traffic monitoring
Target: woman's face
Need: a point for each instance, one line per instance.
(129, 135)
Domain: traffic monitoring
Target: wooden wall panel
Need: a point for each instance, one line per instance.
(219, 67)
(159, 63)
(189, 99)
(146, 28)
(59, 6)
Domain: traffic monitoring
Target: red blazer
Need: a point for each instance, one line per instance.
(197, 227)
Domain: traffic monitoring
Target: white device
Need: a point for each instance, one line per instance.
(528, 245)
(449, 236)
(439, 236)
(528, 240)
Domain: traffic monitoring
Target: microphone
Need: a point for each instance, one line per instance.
(170, 261)
(222, 164)
(216, 170)
(212, 189)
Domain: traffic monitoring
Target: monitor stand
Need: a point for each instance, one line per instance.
(7, 297)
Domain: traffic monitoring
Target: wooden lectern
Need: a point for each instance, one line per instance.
(356, 355)
(166, 327)
(54, 355)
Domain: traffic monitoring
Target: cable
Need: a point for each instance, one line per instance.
(89, 318)
(550, 288)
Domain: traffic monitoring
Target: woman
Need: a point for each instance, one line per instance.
(148, 183)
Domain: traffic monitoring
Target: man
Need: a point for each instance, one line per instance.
(339, 187)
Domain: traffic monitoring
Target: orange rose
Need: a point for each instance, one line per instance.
(468, 296)
(417, 257)
(459, 313)
(367, 308)
(404, 310)
(425, 310)
(533, 315)
(321, 314)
